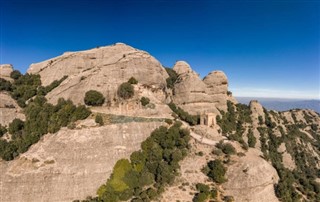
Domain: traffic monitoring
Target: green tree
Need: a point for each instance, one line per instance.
(94, 98)
(16, 125)
(126, 90)
(99, 120)
(15, 74)
(144, 101)
(132, 80)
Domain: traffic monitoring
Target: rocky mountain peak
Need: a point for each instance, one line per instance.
(5, 71)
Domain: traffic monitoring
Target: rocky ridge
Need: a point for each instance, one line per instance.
(72, 163)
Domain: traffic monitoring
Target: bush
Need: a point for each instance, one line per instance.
(99, 120)
(183, 115)
(144, 101)
(125, 90)
(5, 85)
(15, 74)
(93, 98)
(132, 80)
(173, 76)
(216, 171)
(226, 148)
(15, 126)
(3, 130)
(252, 140)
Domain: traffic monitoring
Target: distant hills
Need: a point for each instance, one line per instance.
(281, 104)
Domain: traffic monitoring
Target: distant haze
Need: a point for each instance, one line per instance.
(282, 104)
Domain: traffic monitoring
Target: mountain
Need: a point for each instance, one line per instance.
(281, 104)
(112, 124)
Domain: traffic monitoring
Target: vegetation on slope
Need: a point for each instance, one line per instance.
(173, 76)
(184, 116)
(149, 170)
(41, 118)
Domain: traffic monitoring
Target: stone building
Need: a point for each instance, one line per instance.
(208, 119)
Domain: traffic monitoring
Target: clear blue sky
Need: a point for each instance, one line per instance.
(267, 48)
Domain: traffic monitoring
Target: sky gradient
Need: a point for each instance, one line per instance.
(267, 48)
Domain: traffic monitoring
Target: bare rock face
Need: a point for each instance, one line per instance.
(196, 95)
(102, 69)
(9, 109)
(70, 164)
(251, 178)
(5, 71)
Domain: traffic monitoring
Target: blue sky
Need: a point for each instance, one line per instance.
(267, 48)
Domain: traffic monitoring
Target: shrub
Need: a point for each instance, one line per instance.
(15, 74)
(252, 140)
(169, 121)
(132, 80)
(15, 126)
(5, 85)
(144, 101)
(183, 115)
(125, 90)
(216, 171)
(173, 76)
(226, 148)
(99, 120)
(93, 98)
(3, 130)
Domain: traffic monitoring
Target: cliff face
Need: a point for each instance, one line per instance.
(70, 164)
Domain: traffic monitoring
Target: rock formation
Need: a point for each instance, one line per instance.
(5, 71)
(70, 164)
(102, 69)
(251, 178)
(196, 95)
(9, 109)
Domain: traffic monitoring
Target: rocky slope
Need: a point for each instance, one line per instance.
(73, 162)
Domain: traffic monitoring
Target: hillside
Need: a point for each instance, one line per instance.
(112, 124)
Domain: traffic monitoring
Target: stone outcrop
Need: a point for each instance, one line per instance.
(70, 164)
(5, 71)
(196, 95)
(251, 178)
(9, 109)
(102, 69)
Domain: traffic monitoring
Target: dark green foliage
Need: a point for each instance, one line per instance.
(3, 130)
(216, 171)
(15, 74)
(260, 120)
(226, 148)
(144, 101)
(126, 90)
(233, 120)
(173, 76)
(41, 118)
(169, 121)
(25, 87)
(149, 169)
(5, 85)
(99, 120)
(252, 140)
(15, 126)
(204, 193)
(93, 98)
(183, 115)
(132, 80)
(53, 85)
